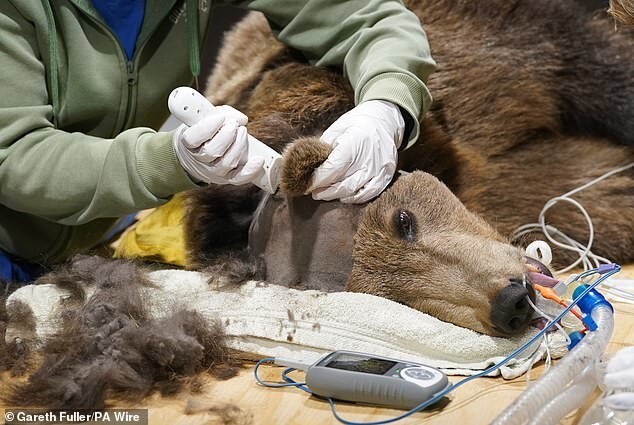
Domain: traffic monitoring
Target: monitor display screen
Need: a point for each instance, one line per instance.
(361, 364)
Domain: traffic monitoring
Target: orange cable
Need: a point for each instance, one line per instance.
(550, 294)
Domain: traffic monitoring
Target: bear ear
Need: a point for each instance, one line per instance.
(301, 158)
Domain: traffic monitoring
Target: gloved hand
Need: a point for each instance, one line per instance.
(363, 160)
(214, 150)
(619, 380)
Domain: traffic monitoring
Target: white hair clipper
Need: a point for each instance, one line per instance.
(189, 106)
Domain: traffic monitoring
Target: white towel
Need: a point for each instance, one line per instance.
(271, 321)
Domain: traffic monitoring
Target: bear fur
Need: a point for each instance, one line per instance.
(108, 345)
(531, 100)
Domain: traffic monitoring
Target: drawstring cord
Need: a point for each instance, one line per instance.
(192, 39)
(52, 59)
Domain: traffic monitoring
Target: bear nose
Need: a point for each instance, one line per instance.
(511, 311)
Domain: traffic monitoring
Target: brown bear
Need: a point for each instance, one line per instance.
(531, 100)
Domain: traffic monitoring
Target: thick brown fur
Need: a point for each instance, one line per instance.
(531, 100)
(107, 344)
(428, 248)
(300, 160)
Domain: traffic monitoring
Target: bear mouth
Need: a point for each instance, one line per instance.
(538, 265)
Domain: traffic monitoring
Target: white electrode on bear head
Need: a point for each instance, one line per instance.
(540, 251)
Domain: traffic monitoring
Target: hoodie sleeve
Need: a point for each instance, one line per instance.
(380, 45)
(70, 178)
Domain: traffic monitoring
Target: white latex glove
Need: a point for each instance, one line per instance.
(214, 150)
(619, 380)
(363, 160)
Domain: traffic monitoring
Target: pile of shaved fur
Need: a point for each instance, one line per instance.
(108, 345)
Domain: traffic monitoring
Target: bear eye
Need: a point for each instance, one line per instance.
(405, 225)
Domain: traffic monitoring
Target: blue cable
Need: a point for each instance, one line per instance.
(302, 385)
(289, 381)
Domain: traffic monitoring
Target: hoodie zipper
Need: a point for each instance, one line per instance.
(131, 75)
(131, 91)
(131, 68)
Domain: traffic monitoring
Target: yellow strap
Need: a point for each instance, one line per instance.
(158, 236)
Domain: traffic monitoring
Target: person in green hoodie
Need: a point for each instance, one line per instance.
(84, 86)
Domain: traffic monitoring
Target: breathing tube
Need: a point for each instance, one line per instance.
(568, 384)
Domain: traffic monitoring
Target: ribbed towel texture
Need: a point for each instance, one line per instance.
(270, 320)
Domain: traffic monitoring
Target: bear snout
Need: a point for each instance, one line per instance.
(511, 310)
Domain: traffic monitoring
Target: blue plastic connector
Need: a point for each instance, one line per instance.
(575, 337)
(590, 300)
(589, 322)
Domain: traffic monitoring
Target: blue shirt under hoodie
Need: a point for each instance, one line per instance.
(124, 17)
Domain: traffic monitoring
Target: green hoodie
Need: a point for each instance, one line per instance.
(78, 145)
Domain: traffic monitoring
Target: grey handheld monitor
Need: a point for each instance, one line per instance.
(364, 378)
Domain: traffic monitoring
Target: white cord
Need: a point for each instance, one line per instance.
(549, 358)
(536, 357)
(586, 256)
(617, 292)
